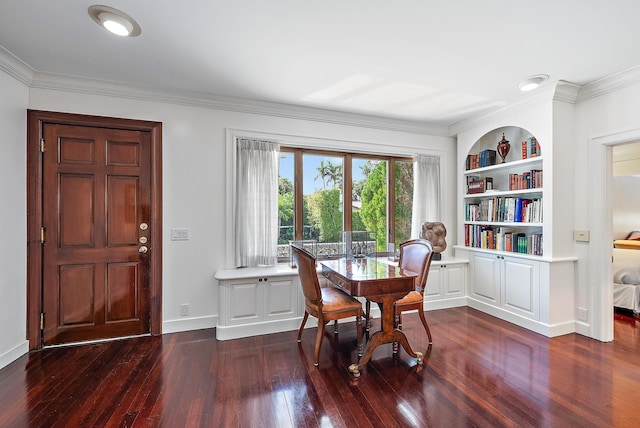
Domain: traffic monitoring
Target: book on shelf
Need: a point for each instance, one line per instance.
(524, 149)
(533, 147)
(475, 187)
(488, 183)
(527, 180)
(472, 162)
(483, 159)
(502, 239)
(487, 158)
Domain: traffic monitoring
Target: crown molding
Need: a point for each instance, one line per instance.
(609, 84)
(566, 91)
(15, 67)
(218, 102)
(541, 95)
(559, 91)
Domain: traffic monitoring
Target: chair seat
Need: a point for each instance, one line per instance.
(335, 300)
(410, 298)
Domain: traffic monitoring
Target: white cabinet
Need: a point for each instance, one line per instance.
(446, 283)
(520, 292)
(509, 283)
(529, 291)
(258, 301)
(485, 281)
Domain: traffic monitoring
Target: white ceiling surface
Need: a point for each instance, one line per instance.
(429, 61)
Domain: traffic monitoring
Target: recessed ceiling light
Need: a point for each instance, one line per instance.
(115, 21)
(531, 83)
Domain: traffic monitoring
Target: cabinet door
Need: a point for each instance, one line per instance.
(521, 289)
(281, 298)
(454, 280)
(432, 290)
(485, 278)
(241, 301)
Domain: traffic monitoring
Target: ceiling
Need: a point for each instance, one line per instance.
(432, 62)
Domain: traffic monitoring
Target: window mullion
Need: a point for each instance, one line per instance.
(391, 200)
(347, 183)
(298, 195)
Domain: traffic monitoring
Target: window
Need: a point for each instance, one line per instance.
(324, 193)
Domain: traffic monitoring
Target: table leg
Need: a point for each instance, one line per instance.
(388, 333)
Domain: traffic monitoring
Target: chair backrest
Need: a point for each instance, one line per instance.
(415, 256)
(306, 263)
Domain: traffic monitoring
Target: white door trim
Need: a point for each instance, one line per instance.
(600, 285)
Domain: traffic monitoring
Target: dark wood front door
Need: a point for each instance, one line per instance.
(99, 254)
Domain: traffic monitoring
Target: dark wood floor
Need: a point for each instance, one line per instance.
(481, 372)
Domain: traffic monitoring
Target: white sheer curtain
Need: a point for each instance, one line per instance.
(426, 192)
(256, 202)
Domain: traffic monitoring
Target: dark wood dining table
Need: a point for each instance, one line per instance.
(380, 282)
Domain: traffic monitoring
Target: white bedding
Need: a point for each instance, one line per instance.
(626, 296)
(626, 279)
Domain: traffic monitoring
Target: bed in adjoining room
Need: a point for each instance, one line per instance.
(626, 275)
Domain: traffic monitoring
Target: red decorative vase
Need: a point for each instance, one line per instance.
(503, 148)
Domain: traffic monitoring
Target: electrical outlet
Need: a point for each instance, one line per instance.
(184, 310)
(583, 314)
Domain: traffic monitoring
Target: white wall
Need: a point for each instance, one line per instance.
(626, 205)
(611, 116)
(194, 182)
(13, 303)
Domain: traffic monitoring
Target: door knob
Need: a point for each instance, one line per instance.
(143, 249)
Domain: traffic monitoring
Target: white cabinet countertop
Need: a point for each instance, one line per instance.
(281, 269)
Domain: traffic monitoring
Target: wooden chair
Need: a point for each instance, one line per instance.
(415, 256)
(326, 303)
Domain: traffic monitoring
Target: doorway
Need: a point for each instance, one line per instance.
(601, 249)
(94, 228)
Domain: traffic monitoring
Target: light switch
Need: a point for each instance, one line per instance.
(581, 235)
(179, 234)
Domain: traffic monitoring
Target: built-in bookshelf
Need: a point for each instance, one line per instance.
(521, 268)
(503, 201)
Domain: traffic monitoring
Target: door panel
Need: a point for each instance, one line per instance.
(122, 194)
(122, 285)
(76, 294)
(96, 194)
(75, 211)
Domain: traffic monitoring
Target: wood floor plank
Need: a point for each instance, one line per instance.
(480, 371)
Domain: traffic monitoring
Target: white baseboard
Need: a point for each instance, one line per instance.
(533, 325)
(187, 324)
(583, 328)
(266, 327)
(276, 326)
(454, 302)
(14, 353)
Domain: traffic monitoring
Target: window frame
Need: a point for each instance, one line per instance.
(347, 181)
(365, 144)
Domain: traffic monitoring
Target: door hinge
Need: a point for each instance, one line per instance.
(41, 320)
(43, 147)
(43, 235)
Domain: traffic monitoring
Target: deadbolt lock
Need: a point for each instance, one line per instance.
(144, 226)
(143, 239)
